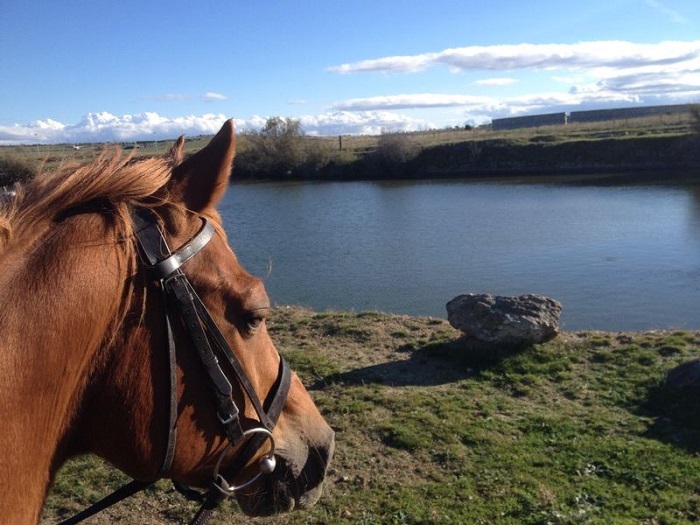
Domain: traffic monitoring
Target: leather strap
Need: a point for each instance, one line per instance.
(275, 404)
(178, 286)
(180, 298)
(123, 492)
(168, 265)
(161, 261)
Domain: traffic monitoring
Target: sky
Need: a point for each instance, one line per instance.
(81, 71)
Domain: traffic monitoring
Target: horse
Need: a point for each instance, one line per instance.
(157, 360)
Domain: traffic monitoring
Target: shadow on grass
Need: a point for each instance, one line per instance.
(676, 416)
(427, 365)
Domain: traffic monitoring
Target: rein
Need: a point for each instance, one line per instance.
(182, 303)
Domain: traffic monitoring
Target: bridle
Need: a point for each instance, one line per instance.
(182, 304)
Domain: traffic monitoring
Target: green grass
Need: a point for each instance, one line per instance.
(580, 430)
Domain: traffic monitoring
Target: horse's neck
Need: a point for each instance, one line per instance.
(52, 322)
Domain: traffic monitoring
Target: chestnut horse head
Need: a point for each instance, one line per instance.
(84, 342)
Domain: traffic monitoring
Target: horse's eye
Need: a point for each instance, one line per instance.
(255, 322)
(255, 319)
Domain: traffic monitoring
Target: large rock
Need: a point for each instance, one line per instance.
(508, 321)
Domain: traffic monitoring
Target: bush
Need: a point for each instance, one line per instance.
(396, 148)
(15, 169)
(695, 113)
(394, 154)
(280, 150)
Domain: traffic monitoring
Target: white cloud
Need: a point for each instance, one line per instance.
(361, 123)
(208, 96)
(36, 132)
(623, 92)
(484, 104)
(596, 74)
(211, 96)
(654, 83)
(497, 81)
(601, 54)
(105, 127)
(672, 14)
(389, 64)
(407, 101)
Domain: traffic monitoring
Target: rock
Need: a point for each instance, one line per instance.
(506, 321)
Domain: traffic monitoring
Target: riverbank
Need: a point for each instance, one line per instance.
(578, 430)
(666, 144)
(617, 158)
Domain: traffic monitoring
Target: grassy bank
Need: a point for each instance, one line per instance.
(665, 142)
(578, 430)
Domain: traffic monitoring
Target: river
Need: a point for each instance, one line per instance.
(623, 257)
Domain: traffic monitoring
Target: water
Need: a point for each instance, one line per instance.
(616, 257)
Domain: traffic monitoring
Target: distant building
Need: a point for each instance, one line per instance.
(599, 115)
(528, 121)
(596, 115)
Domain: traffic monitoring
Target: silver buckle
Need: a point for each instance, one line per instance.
(227, 420)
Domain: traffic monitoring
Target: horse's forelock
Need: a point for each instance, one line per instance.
(111, 178)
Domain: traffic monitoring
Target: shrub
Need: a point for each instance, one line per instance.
(15, 169)
(396, 148)
(695, 114)
(281, 149)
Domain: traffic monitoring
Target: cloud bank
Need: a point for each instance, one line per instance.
(549, 78)
(482, 108)
(105, 127)
(592, 74)
(583, 55)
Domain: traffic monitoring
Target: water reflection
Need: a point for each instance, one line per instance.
(618, 258)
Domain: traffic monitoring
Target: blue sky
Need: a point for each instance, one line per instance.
(79, 71)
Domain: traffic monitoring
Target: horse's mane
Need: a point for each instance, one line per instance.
(111, 179)
(109, 185)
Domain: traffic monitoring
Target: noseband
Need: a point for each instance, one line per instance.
(184, 305)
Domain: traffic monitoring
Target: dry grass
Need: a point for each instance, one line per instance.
(357, 146)
(578, 430)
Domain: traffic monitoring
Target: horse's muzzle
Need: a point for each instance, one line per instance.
(289, 487)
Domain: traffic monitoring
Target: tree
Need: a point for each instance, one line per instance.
(280, 149)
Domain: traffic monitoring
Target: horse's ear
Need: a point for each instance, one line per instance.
(176, 152)
(200, 181)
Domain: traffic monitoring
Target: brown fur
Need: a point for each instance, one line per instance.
(82, 348)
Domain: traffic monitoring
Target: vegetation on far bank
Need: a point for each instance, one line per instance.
(580, 430)
(281, 150)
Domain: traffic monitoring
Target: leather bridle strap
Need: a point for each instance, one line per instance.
(203, 329)
(180, 298)
(215, 495)
(197, 319)
(183, 295)
(165, 266)
(162, 263)
(133, 487)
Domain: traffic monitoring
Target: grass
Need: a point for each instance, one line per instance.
(355, 147)
(579, 430)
